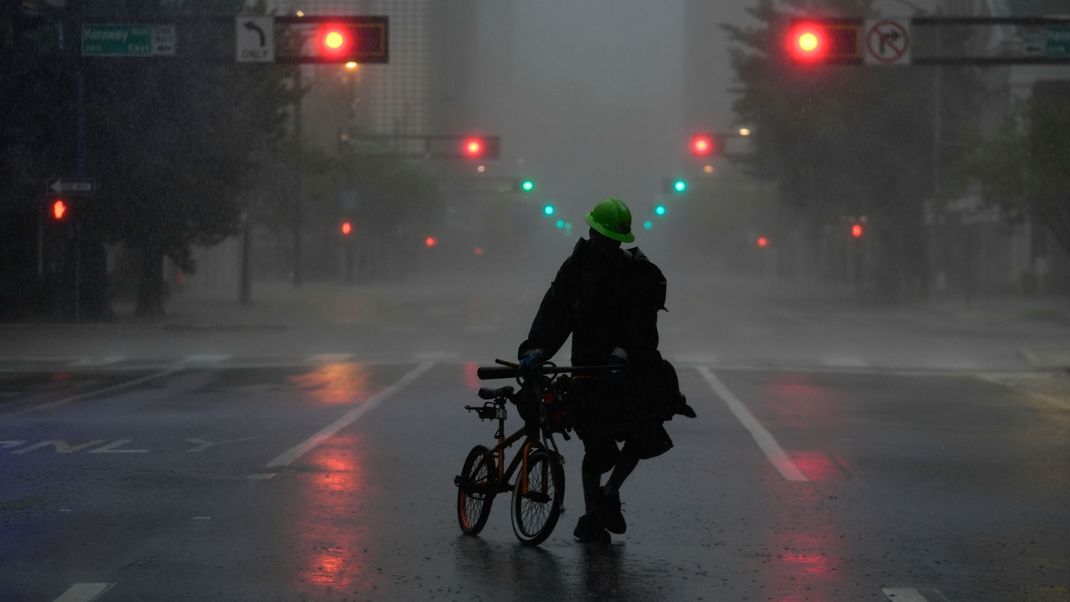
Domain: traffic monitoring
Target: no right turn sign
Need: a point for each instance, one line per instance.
(887, 41)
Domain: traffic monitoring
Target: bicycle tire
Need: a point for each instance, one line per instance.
(535, 513)
(473, 507)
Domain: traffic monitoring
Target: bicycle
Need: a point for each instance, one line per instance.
(539, 489)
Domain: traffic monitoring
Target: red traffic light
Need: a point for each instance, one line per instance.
(334, 41)
(808, 42)
(857, 231)
(59, 210)
(430, 241)
(473, 147)
(763, 242)
(347, 228)
(702, 145)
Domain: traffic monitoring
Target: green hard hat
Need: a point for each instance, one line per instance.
(612, 219)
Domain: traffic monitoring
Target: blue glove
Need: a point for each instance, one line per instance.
(531, 358)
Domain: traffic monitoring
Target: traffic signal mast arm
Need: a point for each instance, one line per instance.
(842, 41)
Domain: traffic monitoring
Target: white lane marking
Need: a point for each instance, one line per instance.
(84, 592)
(98, 361)
(202, 518)
(261, 476)
(432, 356)
(843, 362)
(112, 389)
(330, 358)
(1029, 356)
(206, 358)
(772, 450)
(903, 594)
(285, 458)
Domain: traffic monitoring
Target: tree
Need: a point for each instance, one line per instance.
(842, 141)
(1022, 167)
(173, 144)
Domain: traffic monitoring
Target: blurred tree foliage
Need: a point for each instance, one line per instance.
(173, 141)
(846, 140)
(1024, 167)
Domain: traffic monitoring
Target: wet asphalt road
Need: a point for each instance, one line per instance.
(952, 486)
(839, 454)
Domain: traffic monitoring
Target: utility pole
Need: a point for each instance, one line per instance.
(299, 186)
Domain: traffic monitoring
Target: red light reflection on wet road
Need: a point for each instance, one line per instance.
(328, 529)
(335, 384)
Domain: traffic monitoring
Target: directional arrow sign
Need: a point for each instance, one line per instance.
(72, 186)
(254, 39)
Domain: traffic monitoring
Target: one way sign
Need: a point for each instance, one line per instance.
(255, 39)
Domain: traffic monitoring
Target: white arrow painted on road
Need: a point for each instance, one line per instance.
(200, 445)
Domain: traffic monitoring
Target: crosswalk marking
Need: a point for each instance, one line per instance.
(330, 358)
(903, 594)
(205, 358)
(84, 592)
(98, 361)
(843, 362)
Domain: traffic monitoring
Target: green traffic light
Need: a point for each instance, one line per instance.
(560, 224)
(527, 185)
(648, 225)
(548, 210)
(661, 210)
(679, 185)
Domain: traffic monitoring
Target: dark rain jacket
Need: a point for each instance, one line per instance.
(603, 303)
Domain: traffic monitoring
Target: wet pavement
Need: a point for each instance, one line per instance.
(839, 454)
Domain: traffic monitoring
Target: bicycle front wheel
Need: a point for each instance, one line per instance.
(537, 506)
(476, 488)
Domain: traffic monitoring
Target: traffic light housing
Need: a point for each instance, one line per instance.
(824, 41)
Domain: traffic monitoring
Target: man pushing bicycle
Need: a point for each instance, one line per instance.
(607, 298)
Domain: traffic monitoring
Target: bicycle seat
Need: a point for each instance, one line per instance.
(487, 393)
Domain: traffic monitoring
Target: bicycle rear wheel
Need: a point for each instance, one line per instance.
(476, 488)
(536, 510)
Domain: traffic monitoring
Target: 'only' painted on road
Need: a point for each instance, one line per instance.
(101, 446)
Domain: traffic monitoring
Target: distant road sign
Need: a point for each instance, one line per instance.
(254, 39)
(105, 39)
(887, 42)
(1058, 41)
(72, 186)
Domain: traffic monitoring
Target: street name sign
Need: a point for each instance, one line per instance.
(254, 39)
(72, 186)
(1058, 41)
(887, 41)
(129, 40)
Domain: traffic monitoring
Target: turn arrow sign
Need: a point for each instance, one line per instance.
(254, 27)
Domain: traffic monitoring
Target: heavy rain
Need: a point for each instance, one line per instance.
(544, 300)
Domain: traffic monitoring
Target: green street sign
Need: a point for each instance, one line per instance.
(1058, 40)
(104, 39)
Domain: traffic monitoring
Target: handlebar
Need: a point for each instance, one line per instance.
(493, 372)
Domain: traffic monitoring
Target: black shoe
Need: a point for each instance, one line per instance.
(609, 512)
(589, 530)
